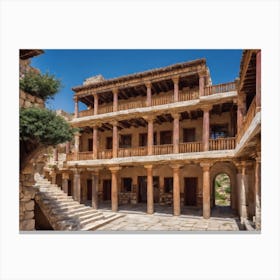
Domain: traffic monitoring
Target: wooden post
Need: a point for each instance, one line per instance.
(206, 128)
(150, 137)
(94, 179)
(258, 81)
(149, 94)
(206, 189)
(114, 189)
(258, 192)
(115, 139)
(95, 142)
(176, 133)
(241, 109)
(115, 100)
(95, 110)
(77, 185)
(176, 190)
(176, 88)
(76, 106)
(201, 85)
(77, 145)
(150, 189)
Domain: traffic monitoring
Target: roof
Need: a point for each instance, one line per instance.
(25, 54)
(144, 74)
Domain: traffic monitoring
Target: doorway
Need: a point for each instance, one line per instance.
(156, 188)
(222, 190)
(89, 189)
(142, 188)
(106, 190)
(190, 191)
(69, 191)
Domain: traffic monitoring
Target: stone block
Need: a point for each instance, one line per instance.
(29, 205)
(28, 215)
(27, 224)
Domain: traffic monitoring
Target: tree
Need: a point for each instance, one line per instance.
(42, 126)
(42, 85)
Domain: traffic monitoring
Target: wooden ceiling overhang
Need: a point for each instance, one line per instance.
(135, 85)
(25, 54)
(138, 122)
(247, 74)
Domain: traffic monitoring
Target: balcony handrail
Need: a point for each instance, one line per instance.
(190, 147)
(227, 143)
(214, 89)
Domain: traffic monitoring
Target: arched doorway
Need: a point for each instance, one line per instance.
(222, 190)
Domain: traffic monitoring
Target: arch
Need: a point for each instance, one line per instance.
(228, 168)
(222, 190)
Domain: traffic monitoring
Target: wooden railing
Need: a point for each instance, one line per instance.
(219, 88)
(131, 152)
(222, 144)
(247, 120)
(70, 157)
(190, 147)
(162, 149)
(105, 109)
(188, 95)
(160, 100)
(85, 155)
(132, 105)
(86, 113)
(105, 154)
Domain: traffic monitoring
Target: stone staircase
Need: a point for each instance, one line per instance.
(64, 213)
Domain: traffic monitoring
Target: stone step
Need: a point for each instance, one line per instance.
(61, 204)
(97, 224)
(81, 211)
(90, 218)
(69, 209)
(83, 214)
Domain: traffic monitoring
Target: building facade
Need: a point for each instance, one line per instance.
(162, 136)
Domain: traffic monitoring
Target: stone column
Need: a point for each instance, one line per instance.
(114, 188)
(53, 177)
(150, 189)
(206, 189)
(94, 178)
(201, 85)
(258, 81)
(67, 147)
(176, 133)
(242, 190)
(77, 145)
(149, 94)
(77, 185)
(95, 142)
(65, 178)
(258, 191)
(115, 139)
(95, 110)
(241, 110)
(55, 154)
(115, 100)
(150, 137)
(176, 88)
(176, 189)
(76, 107)
(206, 128)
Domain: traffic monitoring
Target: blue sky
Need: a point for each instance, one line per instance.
(74, 66)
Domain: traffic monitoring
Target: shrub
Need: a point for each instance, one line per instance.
(42, 126)
(42, 85)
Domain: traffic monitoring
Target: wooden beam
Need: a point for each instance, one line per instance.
(247, 59)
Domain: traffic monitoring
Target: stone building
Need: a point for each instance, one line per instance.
(162, 136)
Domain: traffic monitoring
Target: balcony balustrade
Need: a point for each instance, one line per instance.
(189, 147)
(227, 87)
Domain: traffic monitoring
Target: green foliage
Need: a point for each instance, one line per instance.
(43, 126)
(42, 85)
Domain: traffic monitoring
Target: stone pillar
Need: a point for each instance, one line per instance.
(77, 185)
(55, 154)
(53, 177)
(258, 81)
(176, 189)
(149, 93)
(150, 137)
(242, 189)
(67, 147)
(258, 192)
(77, 145)
(150, 189)
(95, 110)
(76, 107)
(65, 178)
(201, 85)
(241, 110)
(206, 189)
(94, 178)
(95, 142)
(176, 88)
(206, 128)
(115, 139)
(176, 133)
(114, 188)
(115, 100)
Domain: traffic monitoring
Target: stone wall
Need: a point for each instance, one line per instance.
(27, 100)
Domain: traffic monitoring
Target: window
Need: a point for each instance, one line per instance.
(165, 137)
(125, 141)
(127, 184)
(109, 143)
(219, 131)
(90, 145)
(189, 135)
(143, 138)
(168, 184)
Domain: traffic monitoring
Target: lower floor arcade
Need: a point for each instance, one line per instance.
(175, 186)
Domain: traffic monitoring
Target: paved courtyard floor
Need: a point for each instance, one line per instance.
(135, 219)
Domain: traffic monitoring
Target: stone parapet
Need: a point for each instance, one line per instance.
(27, 100)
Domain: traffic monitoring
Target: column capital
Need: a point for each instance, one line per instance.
(76, 98)
(114, 169)
(202, 74)
(94, 170)
(115, 90)
(148, 118)
(65, 175)
(76, 171)
(77, 133)
(176, 166)
(176, 115)
(114, 123)
(148, 84)
(205, 165)
(149, 166)
(206, 108)
(176, 79)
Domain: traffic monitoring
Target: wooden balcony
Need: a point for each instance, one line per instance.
(227, 87)
(162, 149)
(190, 147)
(105, 154)
(247, 120)
(222, 144)
(131, 152)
